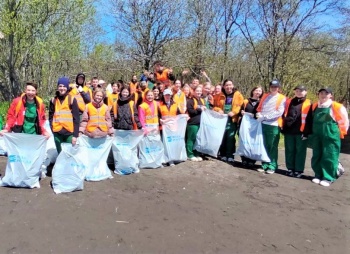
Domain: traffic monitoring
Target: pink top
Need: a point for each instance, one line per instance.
(142, 113)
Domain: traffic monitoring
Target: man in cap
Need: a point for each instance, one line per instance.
(296, 131)
(64, 115)
(270, 111)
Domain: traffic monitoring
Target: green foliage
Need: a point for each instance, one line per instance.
(4, 106)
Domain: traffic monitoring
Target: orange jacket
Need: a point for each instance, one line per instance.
(237, 101)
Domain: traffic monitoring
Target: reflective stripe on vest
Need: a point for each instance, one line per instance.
(304, 111)
(278, 103)
(336, 107)
(63, 117)
(97, 118)
(150, 118)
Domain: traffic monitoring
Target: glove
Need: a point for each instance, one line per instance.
(80, 89)
(303, 137)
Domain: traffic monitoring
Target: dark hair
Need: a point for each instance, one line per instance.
(123, 88)
(32, 84)
(227, 80)
(94, 78)
(256, 87)
(155, 87)
(158, 63)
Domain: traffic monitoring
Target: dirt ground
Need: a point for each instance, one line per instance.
(195, 207)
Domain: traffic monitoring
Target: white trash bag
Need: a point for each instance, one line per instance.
(2, 146)
(210, 133)
(26, 153)
(124, 150)
(68, 174)
(51, 151)
(174, 130)
(251, 142)
(94, 152)
(151, 150)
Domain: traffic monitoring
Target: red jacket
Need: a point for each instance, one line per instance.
(16, 112)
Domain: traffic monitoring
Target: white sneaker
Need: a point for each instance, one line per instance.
(270, 171)
(223, 158)
(171, 164)
(316, 180)
(260, 170)
(231, 160)
(199, 158)
(193, 159)
(325, 183)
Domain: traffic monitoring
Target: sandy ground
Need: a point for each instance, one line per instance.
(195, 207)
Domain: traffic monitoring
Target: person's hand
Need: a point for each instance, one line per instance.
(74, 141)
(242, 112)
(221, 111)
(47, 135)
(111, 134)
(80, 89)
(170, 70)
(185, 72)
(161, 121)
(230, 114)
(204, 73)
(303, 137)
(3, 131)
(203, 108)
(260, 119)
(145, 131)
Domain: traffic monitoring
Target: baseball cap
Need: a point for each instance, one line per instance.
(167, 92)
(300, 87)
(327, 89)
(275, 82)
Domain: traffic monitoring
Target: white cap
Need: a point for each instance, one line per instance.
(167, 91)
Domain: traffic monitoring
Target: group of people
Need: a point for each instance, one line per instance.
(95, 110)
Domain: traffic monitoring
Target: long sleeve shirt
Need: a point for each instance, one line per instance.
(269, 111)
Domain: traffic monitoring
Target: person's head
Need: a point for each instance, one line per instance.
(62, 85)
(197, 92)
(300, 91)
(177, 85)
(150, 75)
(149, 95)
(134, 79)
(31, 90)
(80, 79)
(120, 84)
(143, 85)
(115, 87)
(101, 83)
(167, 95)
(194, 83)
(94, 82)
(187, 90)
(125, 91)
(218, 89)
(256, 92)
(206, 89)
(98, 95)
(228, 86)
(275, 86)
(156, 92)
(325, 94)
(88, 84)
(158, 66)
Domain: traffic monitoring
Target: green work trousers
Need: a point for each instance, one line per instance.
(59, 139)
(271, 135)
(191, 134)
(325, 145)
(295, 152)
(228, 144)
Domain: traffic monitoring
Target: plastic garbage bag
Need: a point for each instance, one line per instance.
(210, 133)
(94, 152)
(125, 151)
(174, 130)
(26, 153)
(2, 146)
(251, 142)
(151, 150)
(69, 171)
(51, 151)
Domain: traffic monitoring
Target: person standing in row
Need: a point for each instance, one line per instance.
(250, 106)
(179, 96)
(64, 115)
(148, 112)
(270, 111)
(195, 106)
(296, 131)
(80, 92)
(27, 113)
(229, 102)
(96, 121)
(330, 124)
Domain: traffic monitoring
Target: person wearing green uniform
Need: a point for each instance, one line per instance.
(330, 123)
(27, 113)
(296, 131)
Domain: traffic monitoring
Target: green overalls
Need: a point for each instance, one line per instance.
(325, 145)
(271, 136)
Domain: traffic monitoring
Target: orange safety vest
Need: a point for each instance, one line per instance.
(165, 112)
(278, 103)
(150, 118)
(163, 77)
(112, 98)
(131, 105)
(338, 118)
(63, 117)
(97, 117)
(132, 87)
(180, 101)
(75, 93)
(144, 93)
(195, 102)
(304, 111)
